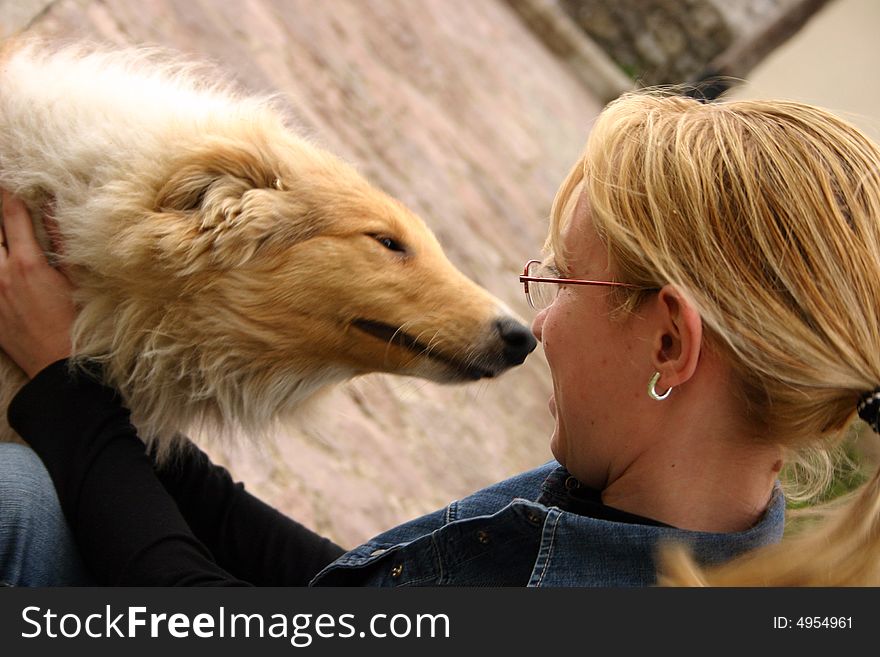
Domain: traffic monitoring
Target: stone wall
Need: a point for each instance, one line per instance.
(669, 41)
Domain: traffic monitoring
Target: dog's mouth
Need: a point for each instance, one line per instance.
(400, 338)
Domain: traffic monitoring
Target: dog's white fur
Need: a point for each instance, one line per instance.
(223, 263)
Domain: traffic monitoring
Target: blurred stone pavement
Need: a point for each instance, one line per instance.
(457, 109)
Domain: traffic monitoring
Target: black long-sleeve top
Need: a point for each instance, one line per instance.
(183, 524)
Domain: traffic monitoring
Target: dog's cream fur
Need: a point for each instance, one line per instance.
(226, 267)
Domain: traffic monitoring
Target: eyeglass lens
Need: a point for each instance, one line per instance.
(541, 295)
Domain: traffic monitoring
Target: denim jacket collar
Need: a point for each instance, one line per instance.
(567, 549)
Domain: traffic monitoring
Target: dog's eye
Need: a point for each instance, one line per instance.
(390, 243)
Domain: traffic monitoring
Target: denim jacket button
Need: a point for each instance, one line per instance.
(376, 553)
(483, 537)
(571, 483)
(397, 571)
(533, 517)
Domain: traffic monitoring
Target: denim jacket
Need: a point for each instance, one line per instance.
(500, 536)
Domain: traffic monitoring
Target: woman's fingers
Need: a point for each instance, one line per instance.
(18, 230)
(36, 301)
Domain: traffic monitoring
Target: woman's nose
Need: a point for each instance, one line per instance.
(538, 324)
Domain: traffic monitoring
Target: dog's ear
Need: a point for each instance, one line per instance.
(224, 204)
(194, 178)
(185, 191)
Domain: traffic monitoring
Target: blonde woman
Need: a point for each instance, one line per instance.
(709, 305)
(761, 220)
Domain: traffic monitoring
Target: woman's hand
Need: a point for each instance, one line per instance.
(36, 300)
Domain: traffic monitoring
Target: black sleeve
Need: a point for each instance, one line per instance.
(127, 524)
(246, 536)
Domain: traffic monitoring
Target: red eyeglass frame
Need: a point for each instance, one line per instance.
(525, 278)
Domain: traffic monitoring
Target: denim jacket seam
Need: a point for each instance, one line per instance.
(451, 514)
(415, 582)
(549, 549)
(438, 555)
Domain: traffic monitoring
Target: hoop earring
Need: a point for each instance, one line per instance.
(652, 392)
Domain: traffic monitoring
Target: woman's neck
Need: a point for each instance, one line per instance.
(698, 482)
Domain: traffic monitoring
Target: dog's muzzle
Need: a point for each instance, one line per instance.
(511, 343)
(518, 340)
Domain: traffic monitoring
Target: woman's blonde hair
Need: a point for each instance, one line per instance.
(767, 215)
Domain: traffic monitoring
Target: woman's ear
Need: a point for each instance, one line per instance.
(678, 339)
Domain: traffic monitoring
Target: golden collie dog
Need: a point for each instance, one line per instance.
(226, 267)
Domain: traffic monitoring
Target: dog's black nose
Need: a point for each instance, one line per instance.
(518, 340)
